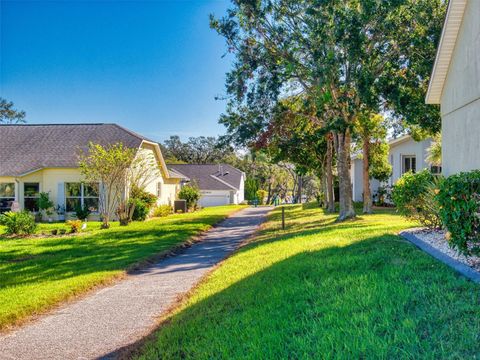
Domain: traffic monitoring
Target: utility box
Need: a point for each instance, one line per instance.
(180, 206)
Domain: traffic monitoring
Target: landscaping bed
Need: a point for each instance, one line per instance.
(436, 239)
(39, 272)
(322, 289)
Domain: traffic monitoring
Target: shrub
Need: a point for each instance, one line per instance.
(75, 225)
(190, 194)
(45, 205)
(54, 231)
(18, 223)
(62, 231)
(144, 201)
(261, 195)
(459, 200)
(82, 213)
(414, 197)
(162, 211)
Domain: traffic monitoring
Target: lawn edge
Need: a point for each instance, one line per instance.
(132, 351)
(115, 278)
(456, 265)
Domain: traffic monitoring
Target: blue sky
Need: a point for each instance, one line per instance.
(152, 66)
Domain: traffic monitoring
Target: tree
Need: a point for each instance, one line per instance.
(197, 150)
(118, 169)
(342, 54)
(9, 115)
(434, 151)
(372, 132)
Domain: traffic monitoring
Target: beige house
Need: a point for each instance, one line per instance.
(405, 155)
(455, 85)
(44, 158)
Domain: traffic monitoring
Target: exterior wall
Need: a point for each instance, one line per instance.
(408, 147)
(169, 187)
(460, 102)
(52, 180)
(397, 151)
(356, 174)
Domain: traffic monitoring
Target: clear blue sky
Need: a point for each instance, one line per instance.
(152, 66)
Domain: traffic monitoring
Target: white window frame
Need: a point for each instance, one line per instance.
(82, 196)
(410, 157)
(14, 192)
(159, 189)
(31, 197)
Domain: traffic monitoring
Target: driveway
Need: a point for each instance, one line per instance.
(117, 316)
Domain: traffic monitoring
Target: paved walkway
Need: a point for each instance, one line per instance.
(116, 316)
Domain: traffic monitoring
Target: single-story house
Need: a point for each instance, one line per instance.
(455, 85)
(405, 154)
(44, 158)
(219, 184)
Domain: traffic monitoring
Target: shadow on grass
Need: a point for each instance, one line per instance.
(39, 260)
(378, 298)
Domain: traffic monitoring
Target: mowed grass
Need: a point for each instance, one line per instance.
(326, 290)
(46, 228)
(37, 273)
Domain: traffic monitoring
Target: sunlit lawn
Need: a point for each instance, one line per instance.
(36, 273)
(326, 290)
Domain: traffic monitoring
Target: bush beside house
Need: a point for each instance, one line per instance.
(459, 199)
(190, 194)
(414, 197)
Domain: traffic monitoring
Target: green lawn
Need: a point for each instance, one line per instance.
(45, 228)
(37, 273)
(326, 290)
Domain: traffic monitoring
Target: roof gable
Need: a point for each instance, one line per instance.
(446, 47)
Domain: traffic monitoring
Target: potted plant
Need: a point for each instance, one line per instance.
(45, 205)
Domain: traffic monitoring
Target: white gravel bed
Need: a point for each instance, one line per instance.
(436, 239)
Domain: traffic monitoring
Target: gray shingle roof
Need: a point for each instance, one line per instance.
(26, 148)
(210, 176)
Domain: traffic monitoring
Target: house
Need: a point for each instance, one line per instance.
(44, 158)
(455, 85)
(405, 154)
(220, 184)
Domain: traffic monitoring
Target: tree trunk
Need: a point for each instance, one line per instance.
(323, 177)
(367, 196)
(330, 191)
(347, 210)
(300, 185)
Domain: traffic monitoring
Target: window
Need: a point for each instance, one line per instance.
(436, 170)
(7, 196)
(31, 193)
(409, 164)
(79, 194)
(159, 189)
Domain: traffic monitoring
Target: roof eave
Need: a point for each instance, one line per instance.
(451, 27)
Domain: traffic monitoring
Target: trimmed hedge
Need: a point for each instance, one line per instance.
(459, 199)
(414, 197)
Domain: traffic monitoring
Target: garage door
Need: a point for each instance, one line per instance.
(214, 200)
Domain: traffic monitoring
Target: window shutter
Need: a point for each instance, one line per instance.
(61, 195)
(159, 189)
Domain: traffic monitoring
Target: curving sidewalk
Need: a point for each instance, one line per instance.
(117, 316)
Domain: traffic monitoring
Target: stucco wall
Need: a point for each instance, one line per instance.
(408, 147)
(460, 103)
(356, 174)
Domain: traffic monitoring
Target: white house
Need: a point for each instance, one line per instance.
(219, 184)
(405, 154)
(44, 158)
(455, 85)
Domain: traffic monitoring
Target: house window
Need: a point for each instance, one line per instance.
(409, 164)
(436, 170)
(7, 196)
(81, 195)
(159, 189)
(31, 194)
